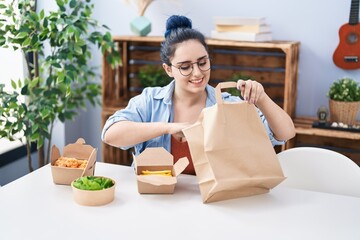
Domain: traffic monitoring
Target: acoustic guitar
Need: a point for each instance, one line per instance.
(347, 53)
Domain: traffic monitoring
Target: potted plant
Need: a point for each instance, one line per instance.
(344, 100)
(60, 80)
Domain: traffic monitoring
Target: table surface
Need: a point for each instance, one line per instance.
(33, 207)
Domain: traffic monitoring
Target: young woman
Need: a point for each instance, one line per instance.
(156, 117)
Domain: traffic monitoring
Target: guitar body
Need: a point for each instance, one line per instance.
(347, 53)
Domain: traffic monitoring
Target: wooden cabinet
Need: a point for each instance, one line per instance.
(347, 143)
(274, 64)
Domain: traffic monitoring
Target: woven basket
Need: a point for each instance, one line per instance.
(345, 112)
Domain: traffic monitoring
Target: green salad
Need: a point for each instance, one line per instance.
(93, 183)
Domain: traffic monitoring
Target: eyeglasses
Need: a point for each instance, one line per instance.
(187, 68)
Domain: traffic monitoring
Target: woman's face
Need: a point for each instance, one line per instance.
(190, 55)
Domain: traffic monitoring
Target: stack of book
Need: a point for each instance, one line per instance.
(241, 29)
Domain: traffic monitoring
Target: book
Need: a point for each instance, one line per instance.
(243, 28)
(242, 36)
(236, 20)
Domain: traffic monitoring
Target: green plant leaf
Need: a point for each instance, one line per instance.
(60, 3)
(61, 77)
(35, 128)
(68, 91)
(42, 14)
(56, 65)
(345, 89)
(33, 83)
(44, 113)
(13, 84)
(34, 137)
(21, 35)
(2, 40)
(40, 142)
(78, 50)
(45, 23)
(25, 90)
(26, 43)
(73, 3)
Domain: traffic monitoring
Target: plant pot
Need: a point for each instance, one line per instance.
(345, 112)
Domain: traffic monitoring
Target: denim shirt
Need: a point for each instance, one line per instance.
(154, 104)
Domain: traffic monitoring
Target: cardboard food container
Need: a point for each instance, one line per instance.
(158, 159)
(94, 197)
(78, 150)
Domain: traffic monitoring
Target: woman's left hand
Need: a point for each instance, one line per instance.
(279, 121)
(250, 90)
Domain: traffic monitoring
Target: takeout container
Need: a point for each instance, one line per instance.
(157, 159)
(94, 197)
(78, 150)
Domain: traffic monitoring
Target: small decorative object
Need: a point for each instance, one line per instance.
(322, 114)
(141, 26)
(337, 126)
(344, 101)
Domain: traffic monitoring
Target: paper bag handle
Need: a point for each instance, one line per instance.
(222, 85)
(219, 100)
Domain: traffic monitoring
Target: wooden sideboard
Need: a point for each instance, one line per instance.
(274, 64)
(347, 143)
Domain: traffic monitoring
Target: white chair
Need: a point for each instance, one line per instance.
(321, 170)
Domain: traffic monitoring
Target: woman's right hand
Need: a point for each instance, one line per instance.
(175, 129)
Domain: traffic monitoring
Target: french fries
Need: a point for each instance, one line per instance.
(161, 172)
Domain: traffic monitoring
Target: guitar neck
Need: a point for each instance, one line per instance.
(354, 12)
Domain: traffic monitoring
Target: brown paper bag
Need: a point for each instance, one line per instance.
(231, 151)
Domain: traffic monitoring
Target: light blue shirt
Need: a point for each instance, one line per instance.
(154, 104)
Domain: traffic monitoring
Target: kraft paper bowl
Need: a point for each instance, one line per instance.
(94, 197)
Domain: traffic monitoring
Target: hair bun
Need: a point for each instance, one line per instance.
(175, 22)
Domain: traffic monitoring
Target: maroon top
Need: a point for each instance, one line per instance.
(180, 150)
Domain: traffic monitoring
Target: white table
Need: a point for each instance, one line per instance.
(33, 207)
